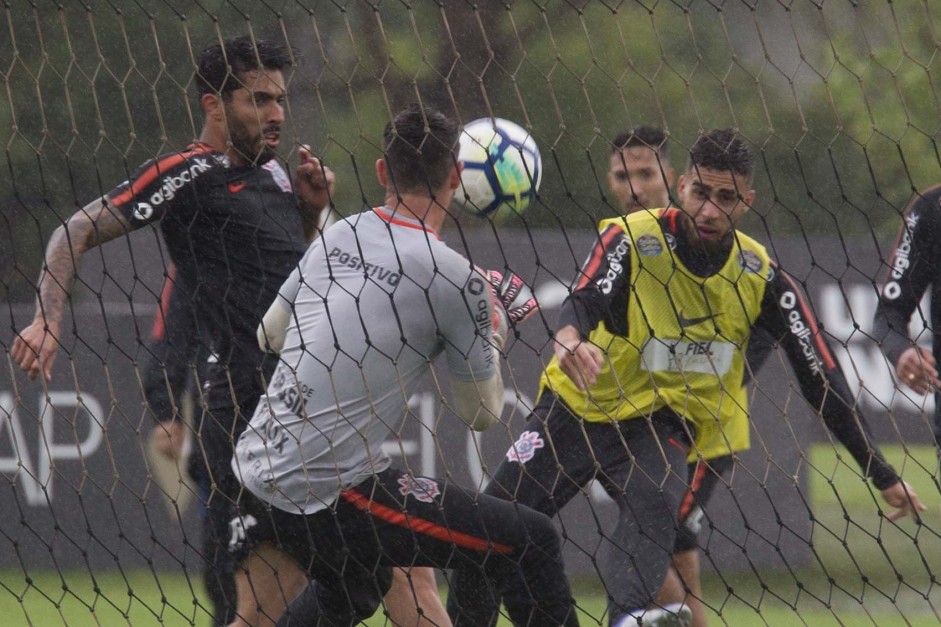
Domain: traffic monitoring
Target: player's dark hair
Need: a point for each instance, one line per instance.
(724, 151)
(418, 146)
(642, 136)
(220, 66)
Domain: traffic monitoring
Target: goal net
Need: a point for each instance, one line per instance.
(839, 102)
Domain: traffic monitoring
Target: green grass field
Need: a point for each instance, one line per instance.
(850, 542)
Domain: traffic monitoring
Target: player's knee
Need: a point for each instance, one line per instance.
(357, 600)
(542, 534)
(421, 581)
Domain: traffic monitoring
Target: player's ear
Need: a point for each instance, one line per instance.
(454, 179)
(748, 198)
(669, 175)
(680, 183)
(382, 173)
(213, 107)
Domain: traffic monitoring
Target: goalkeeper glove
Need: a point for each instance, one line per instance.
(513, 302)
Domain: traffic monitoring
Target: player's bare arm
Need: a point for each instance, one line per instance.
(314, 187)
(36, 346)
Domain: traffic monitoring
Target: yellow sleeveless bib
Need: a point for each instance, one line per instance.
(686, 340)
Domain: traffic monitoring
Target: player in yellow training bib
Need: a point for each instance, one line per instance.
(648, 373)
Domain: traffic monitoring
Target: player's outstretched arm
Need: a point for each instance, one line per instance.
(787, 316)
(35, 347)
(480, 403)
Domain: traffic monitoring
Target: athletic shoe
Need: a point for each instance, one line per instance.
(673, 615)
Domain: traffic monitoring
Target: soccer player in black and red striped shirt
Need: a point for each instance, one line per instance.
(235, 225)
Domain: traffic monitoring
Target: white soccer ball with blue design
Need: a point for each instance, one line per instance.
(502, 167)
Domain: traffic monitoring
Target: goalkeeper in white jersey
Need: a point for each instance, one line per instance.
(374, 301)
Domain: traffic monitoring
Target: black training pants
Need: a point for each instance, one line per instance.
(641, 462)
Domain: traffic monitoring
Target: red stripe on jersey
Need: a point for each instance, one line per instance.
(828, 360)
(687, 505)
(597, 255)
(393, 220)
(671, 216)
(420, 525)
(159, 330)
(149, 175)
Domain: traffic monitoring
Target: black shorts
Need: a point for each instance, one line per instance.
(397, 519)
(704, 476)
(596, 451)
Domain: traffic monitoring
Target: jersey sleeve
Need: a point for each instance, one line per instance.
(602, 290)
(287, 295)
(787, 317)
(463, 311)
(157, 185)
(912, 267)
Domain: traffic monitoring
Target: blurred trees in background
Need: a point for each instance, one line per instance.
(840, 102)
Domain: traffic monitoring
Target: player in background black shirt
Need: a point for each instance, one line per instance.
(172, 367)
(235, 225)
(915, 265)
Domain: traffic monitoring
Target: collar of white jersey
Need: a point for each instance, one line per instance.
(398, 219)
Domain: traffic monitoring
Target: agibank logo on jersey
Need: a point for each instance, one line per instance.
(901, 262)
(800, 329)
(422, 488)
(524, 449)
(167, 188)
(615, 260)
(143, 211)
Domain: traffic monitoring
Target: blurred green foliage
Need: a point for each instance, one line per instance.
(840, 101)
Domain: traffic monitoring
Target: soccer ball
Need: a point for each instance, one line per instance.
(502, 167)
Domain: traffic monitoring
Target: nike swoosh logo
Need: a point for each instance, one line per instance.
(235, 188)
(688, 322)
